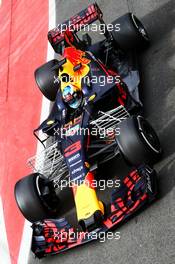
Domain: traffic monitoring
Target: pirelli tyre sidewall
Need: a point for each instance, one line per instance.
(28, 197)
(47, 79)
(132, 33)
(138, 142)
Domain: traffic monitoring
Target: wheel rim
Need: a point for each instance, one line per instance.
(141, 29)
(150, 136)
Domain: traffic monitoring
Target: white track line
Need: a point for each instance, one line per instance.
(27, 231)
(4, 249)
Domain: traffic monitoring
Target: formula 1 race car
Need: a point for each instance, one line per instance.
(96, 116)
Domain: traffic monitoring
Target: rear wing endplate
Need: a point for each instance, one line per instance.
(74, 24)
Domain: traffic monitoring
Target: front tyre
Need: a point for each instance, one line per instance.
(35, 198)
(138, 142)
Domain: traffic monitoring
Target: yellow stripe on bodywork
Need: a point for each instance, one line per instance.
(86, 202)
(75, 76)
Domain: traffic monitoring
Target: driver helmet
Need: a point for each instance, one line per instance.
(71, 96)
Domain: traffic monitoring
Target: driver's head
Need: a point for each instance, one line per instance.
(72, 96)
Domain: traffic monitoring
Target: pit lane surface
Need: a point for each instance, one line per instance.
(149, 237)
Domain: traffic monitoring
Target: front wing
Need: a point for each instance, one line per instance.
(53, 236)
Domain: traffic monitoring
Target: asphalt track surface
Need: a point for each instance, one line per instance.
(149, 237)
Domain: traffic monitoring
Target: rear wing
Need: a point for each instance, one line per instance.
(74, 24)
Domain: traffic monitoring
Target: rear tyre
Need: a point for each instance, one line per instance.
(138, 142)
(35, 198)
(132, 33)
(46, 79)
